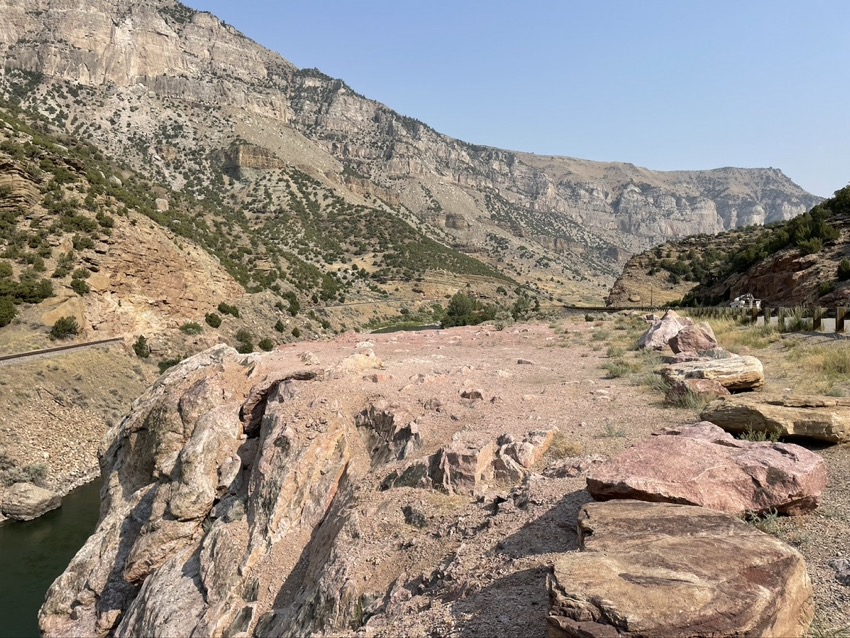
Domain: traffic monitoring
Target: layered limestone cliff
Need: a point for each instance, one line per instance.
(117, 70)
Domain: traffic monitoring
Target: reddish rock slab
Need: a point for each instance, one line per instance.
(697, 338)
(664, 570)
(703, 465)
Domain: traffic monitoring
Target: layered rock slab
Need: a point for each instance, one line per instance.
(664, 570)
(734, 374)
(822, 418)
(705, 466)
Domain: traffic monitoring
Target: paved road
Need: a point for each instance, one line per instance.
(10, 359)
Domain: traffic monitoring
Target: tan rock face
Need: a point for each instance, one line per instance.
(650, 569)
(705, 466)
(823, 418)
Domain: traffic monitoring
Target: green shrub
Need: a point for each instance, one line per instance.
(212, 319)
(80, 287)
(811, 246)
(296, 332)
(141, 347)
(64, 328)
(191, 328)
(279, 326)
(464, 310)
(244, 341)
(227, 309)
(7, 311)
(266, 345)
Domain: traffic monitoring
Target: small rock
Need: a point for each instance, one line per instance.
(524, 362)
(472, 394)
(842, 570)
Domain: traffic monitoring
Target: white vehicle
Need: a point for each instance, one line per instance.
(745, 301)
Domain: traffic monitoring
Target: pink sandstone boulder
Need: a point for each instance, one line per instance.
(697, 338)
(703, 465)
(664, 570)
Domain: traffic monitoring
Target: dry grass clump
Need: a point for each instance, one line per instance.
(563, 448)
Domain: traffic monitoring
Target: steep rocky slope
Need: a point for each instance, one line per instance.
(801, 262)
(183, 96)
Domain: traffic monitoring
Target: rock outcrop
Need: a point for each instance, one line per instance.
(243, 492)
(815, 417)
(650, 569)
(705, 466)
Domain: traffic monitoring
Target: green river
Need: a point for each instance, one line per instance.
(33, 554)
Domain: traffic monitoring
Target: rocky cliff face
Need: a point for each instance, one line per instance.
(116, 71)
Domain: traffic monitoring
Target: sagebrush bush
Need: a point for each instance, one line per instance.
(64, 328)
(191, 328)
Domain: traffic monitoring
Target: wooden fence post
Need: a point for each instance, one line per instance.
(765, 312)
(780, 318)
(840, 312)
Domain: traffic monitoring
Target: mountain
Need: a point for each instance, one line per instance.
(804, 261)
(313, 178)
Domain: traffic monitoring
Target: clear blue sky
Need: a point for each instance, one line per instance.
(666, 84)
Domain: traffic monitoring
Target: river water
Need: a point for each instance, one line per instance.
(33, 554)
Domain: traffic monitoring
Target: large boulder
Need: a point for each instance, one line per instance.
(659, 334)
(696, 338)
(823, 418)
(735, 374)
(25, 501)
(657, 569)
(703, 465)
